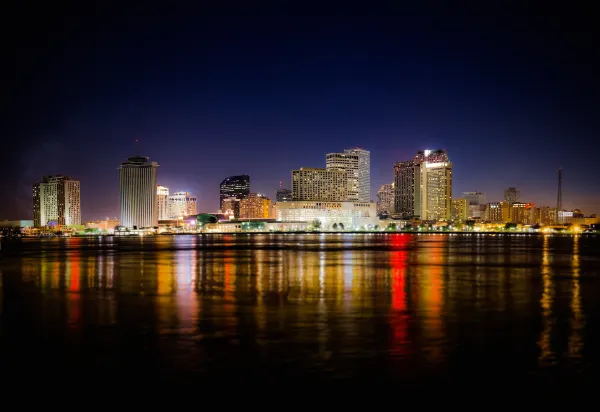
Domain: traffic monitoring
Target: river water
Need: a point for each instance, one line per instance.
(362, 309)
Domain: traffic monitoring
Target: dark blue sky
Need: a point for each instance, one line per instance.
(511, 99)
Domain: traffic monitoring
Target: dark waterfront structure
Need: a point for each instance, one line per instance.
(234, 186)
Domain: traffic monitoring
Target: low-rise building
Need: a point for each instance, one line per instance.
(351, 215)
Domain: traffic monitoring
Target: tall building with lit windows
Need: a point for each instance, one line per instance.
(162, 202)
(357, 164)
(435, 182)
(319, 184)
(497, 212)
(522, 213)
(181, 204)
(137, 183)
(460, 209)
(56, 202)
(423, 186)
(234, 187)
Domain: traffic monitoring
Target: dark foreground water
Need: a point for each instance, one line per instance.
(416, 310)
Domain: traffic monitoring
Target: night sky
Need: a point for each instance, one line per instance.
(511, 99)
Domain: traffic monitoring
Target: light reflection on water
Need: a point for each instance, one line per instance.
(330, 305)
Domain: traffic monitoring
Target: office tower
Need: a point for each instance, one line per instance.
(283, 195)
(181, 204)
(255, 206)
(319, 184)
(234, 186)
(357, 164)
(56, 202)
(497, 212)
(435, 182)
(404, 188)
(162, 201)
(511, 195)
(460, 209)
(423, 186)
(385, 199)
(137, 182)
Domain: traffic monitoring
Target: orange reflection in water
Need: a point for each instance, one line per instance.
(399, 319)
(545, 342)
(577, 323)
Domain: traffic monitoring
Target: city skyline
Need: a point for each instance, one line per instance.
(230, 99)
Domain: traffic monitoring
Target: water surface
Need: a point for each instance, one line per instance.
(321, 309)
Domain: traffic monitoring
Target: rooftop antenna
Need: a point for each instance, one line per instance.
(137, 147)
(559, 195)
(281, 184)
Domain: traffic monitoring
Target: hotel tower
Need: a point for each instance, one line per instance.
(137, 181)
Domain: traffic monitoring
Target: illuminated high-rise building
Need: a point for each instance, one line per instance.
(255, 206)
(181, 204)
(234, 186)
(545, 216)
(137, 182)
(162, 202)
(357, 164)
(319, 184)
(385, 199)
(435, 182)
(56, 202)
(231, 207)
(512, 195)
(423, 186)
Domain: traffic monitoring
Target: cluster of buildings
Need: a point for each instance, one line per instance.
(334, 197)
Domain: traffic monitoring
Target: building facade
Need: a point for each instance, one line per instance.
(357, 164)
(319, 184)
(255, 206)
(56, 202)
(231, 208)
(385, 200)
(521, 213)
(162, 202)
(512, 195)
(460, 209)
(351, 215)
(423, 186)
(234, 186)
(435, 183)
(283, 195)
(404, 188)
(497, 212)
(137, 183)
(181, 204)
(544, 216)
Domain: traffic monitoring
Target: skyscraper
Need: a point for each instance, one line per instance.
(234, 186)
(56, 202)
(137, 181)
(404, 188)
(357, 164)
(181, 204)
(436, 186)
(319, 184)
(511, 195)
(385, 199)
(162, 197)
(423, 186)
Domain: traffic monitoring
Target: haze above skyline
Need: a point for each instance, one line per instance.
(511, 100)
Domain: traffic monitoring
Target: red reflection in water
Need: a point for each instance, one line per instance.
(74, 300)
(399, 318)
